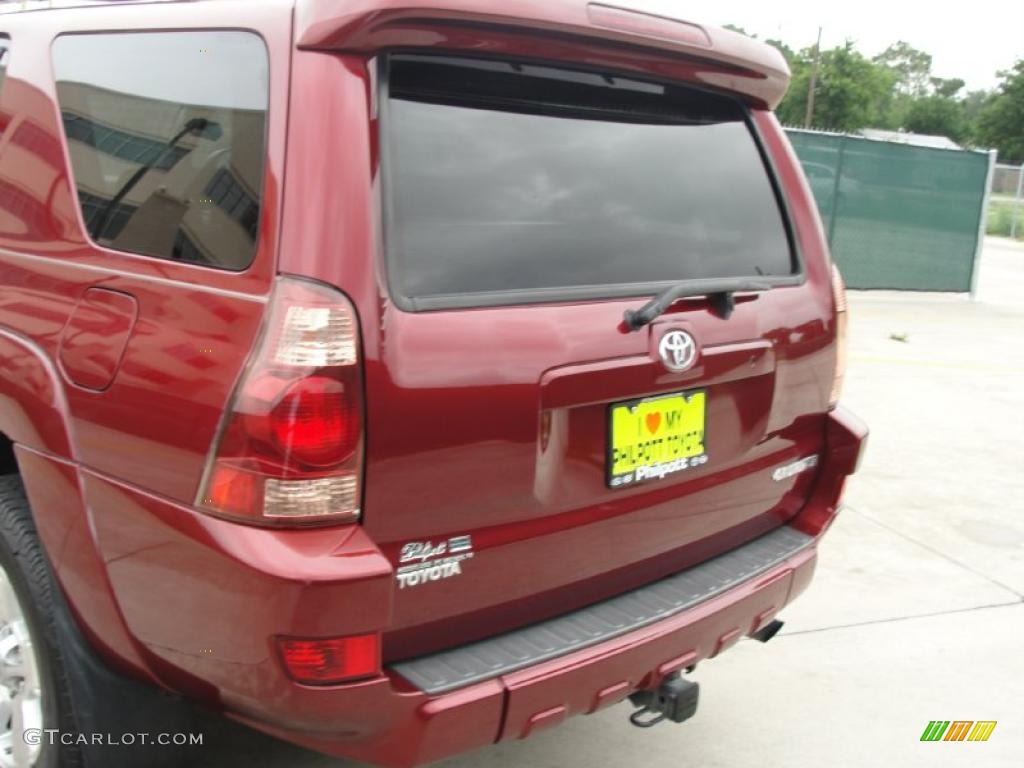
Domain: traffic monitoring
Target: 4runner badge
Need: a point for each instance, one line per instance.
(787, 471)
(423, 561)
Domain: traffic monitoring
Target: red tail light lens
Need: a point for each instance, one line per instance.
(332, 660)
(316, 421)
(290, 450)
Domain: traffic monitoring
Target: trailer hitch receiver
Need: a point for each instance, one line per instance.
(675, 700)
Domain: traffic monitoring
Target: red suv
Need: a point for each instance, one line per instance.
(398, 376)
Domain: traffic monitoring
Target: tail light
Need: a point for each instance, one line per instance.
(332, 660)
(839, 295)
(290, 448)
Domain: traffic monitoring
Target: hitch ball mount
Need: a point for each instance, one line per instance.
(674, 700)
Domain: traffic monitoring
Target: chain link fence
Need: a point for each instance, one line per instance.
(1006, 202)
(897, 215)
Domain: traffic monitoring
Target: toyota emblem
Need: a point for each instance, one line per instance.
(678, 350)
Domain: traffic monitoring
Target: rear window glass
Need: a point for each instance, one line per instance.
(511, 183)
(166, 133)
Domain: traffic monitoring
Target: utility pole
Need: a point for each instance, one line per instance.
(809, 116)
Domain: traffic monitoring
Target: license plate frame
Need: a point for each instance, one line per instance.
(687, 447)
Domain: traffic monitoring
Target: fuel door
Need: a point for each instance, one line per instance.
(95, 337)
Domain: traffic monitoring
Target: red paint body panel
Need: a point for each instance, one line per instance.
(116, 371)
(52, 486)
(32, 400)
(248, 585)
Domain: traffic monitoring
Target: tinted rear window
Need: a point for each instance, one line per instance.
(166, 136)
(517, 182)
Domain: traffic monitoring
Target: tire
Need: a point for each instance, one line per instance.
(30, 636)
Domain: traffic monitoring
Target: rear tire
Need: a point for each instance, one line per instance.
(35, 693)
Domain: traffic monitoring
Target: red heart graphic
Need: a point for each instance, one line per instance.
(653, 422)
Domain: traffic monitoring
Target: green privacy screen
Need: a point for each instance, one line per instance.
(897, 216)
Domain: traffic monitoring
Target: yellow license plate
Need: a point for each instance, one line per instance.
(655, 437)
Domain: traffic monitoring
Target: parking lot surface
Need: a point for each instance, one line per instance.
(916, 613)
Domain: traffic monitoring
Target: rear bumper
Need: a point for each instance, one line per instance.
(526, 681)
(607, 620)
(238, 587)
(535, 696)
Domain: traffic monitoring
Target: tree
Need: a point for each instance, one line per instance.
(1001, 121)
(741, 30)
(974, 104)
(947, 88)
(852, 91)
(937, 116)
(911, 66)
(896, 90)
(794, 106)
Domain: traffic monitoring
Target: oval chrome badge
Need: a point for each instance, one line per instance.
(678, 350)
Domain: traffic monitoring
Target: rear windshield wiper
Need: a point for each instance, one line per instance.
(719, 291)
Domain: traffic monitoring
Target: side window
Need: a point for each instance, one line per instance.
(166, 132)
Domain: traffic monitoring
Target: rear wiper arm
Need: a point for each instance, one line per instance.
(719, 291)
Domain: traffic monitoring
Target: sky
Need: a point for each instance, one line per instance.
(971, 41)
(187, 68)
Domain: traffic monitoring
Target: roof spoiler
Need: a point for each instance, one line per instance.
(615, 37)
